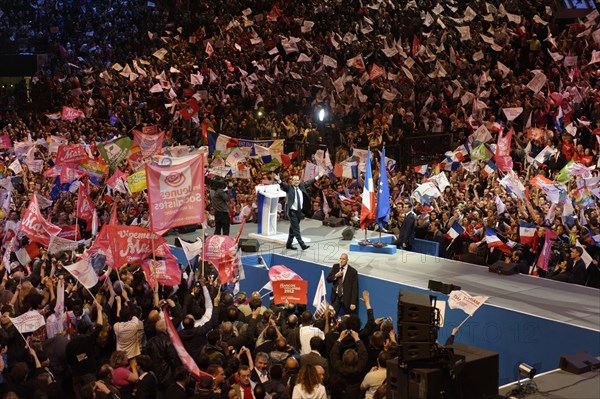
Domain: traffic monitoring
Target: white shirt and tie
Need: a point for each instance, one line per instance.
(297, 205)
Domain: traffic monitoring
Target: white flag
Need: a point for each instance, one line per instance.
(191, 249)
(84, 273)
(321, 292)
(467, 303)
(28, 322)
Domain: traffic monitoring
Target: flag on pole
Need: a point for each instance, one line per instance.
(383, 194)
(184, 356)
(28, 322)
(544, 258)
(367, 214)
(321, 292)
(191, 250)
(422, 169)
(493, 241)
(83, 272)
(465, 302)
(526, 232)
(455, 230)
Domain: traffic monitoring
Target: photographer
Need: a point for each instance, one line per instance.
(219, 198)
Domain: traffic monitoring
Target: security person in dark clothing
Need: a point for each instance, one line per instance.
(219, 198)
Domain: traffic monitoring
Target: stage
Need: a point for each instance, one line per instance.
(526, 319)
(567, 303)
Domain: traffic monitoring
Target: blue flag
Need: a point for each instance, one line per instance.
(383, 194)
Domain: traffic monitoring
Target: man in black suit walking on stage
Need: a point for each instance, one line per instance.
(297, 201)
(344, 293)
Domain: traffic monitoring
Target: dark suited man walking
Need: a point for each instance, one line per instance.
(344, 293)
(297, 200)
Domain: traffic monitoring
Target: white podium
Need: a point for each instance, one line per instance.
(268, 199)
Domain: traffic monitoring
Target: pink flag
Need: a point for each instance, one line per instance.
(67, 174)
(544, 258)
(184, 356)
(34, 226)
(281, 272)
(150, 144)
(5, 141)
(70, 114)
(167, 271)
(176, 193)
(131, 244)
(502, 156)
(83, 272)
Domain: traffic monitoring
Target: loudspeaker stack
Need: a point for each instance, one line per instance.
(417, 331)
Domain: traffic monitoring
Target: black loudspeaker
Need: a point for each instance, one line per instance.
(187, 229)
(427, 384)
(348, 233)
(478, 378)
(415, 332)
(503, 268)
(444, 288)
(580, 363)
(414, 307)
(408, 351)
(332, 221)
(249, 245)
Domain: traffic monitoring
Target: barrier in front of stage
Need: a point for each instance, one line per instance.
(518, 337)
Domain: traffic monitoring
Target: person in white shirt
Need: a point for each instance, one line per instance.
(307, 331)
(128, 331)
(376, 376)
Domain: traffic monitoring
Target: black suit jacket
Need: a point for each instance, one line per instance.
(147, 387)
(350, 286)
(291, 197)
(175, 391)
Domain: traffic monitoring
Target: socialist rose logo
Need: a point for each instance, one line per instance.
(175, 179)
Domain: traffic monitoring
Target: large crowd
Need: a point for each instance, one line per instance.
(399, 74)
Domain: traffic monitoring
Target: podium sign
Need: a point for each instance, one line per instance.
(268, 198)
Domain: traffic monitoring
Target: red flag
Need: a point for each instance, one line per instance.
(131, 244)
(70, 114)
(274, 14)
(34, 226)
(176, 193)
(185, 357)
(73, 153)
(68, 174)
(376, 71)
(85, 205)
(167, 271)
(222, 251)
(415, 45)
(190, 109)
(544, 258)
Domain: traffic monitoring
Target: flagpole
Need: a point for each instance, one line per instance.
(203, 247)
(463, 322)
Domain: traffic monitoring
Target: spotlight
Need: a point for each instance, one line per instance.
(321, 115)
(526, 371)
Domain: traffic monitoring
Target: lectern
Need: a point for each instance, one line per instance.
(268, 198)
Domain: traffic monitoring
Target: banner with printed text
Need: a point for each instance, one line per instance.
(292, 291)
(34, 226)
(73, 153)
(150, 144)
(176, 193)
(131, 244)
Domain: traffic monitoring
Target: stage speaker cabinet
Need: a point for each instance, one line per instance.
(332, 221)
(506, 269)
(249, 245)
(580, 363)
(416, 332)
(414, 307)
(427, 384)
(444, 288)
(478, 378)
(397, 380)
(348, 234)
(410, 351)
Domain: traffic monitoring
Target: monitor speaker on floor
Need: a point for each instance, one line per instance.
(249, 245)
(579, 363)
(348, 233)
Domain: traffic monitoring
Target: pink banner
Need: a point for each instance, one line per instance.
(131, 244)
(34, 226)
(85, 205)
(167, 272)
(544, 258)
(221, 251)
(70, 114)
(5, 141)
(176, 193)
(502, 156)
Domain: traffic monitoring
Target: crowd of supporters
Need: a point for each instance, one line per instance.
(404, 74)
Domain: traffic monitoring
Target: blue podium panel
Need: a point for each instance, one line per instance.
(388, 249)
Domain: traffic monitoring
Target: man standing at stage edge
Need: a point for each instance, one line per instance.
(344, 293)
(219, 198)
(297, 200)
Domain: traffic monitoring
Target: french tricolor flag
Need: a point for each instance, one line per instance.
(422, 169)
(455, 230)
(490, 167)
(526, 233)
(493, 241)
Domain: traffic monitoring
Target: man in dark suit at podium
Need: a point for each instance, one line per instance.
(297, 201)
(344, 293)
